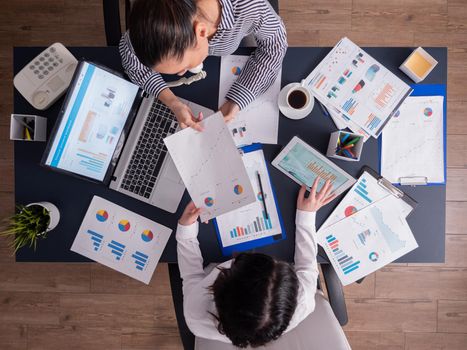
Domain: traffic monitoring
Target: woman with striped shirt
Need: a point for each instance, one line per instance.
(173, 36)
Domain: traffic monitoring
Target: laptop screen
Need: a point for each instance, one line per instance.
(94, 117)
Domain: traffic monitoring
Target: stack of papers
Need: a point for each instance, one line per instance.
(358, 91)
(366, 231)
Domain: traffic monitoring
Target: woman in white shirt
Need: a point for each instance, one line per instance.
(253, 298)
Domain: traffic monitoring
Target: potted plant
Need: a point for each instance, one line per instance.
(30, 223)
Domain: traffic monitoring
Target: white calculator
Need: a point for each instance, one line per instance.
(47, 76)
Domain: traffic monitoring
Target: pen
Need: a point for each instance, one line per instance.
(324, 109)
(345, 137)
(355, 140)
(347, 146)
(262, 195)
(23, 123)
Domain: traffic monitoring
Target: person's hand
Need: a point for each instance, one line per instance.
(229, 110)
(190, 215)
(315, 200)
(182, 112)
(185, 116)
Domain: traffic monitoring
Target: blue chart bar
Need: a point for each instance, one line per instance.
(141, 260)
(349, 104)
(361, 190)
(96, 238)
(117, 249)
(374, 123)
(346, 262)
(267, 221)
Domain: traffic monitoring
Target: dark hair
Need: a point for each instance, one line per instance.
(161, 28)
(255, 299)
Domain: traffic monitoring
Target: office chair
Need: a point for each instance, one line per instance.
(320, 330)
(113, 30)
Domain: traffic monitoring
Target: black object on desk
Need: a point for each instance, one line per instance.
(72, 196)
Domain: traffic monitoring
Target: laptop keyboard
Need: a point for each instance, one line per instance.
(150, 151)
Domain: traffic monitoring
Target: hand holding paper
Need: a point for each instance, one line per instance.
(211, 167)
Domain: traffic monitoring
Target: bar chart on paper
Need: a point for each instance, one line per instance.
(141, 260)
(262, 223)
(346, 262)
(252, 222)
(361, 190)
(367, 240)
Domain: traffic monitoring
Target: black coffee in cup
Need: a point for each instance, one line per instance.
(297, 99)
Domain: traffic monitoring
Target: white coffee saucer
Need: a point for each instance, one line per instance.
(291, 112)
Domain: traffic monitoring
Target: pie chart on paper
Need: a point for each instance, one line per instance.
(124, 225)
(147, 236)
(236, 70)
(102, 215)
(238, 189)
(350, 210)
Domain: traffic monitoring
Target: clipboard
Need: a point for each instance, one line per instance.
(347, 206)
(389, 187)
(248, 245)
(368, 190)
(425, 90)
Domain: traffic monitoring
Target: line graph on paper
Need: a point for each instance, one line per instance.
(413, 144)
(211, 167)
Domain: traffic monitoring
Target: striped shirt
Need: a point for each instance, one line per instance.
(239, 18)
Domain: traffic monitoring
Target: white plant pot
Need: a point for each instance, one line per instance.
(53, 212)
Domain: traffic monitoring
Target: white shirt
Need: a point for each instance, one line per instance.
(198, 301)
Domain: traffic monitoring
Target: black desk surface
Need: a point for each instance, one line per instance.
(72, 196)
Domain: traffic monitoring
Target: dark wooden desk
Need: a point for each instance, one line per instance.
(72, 196)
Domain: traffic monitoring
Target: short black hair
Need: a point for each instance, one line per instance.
(255, 299)
(161, 28)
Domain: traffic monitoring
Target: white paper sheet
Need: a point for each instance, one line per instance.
(211, 167)
(362, 194)
(358, 86)
(261, 117)
(413, 143)
(366, 241)
(250, 222)
(120, 239)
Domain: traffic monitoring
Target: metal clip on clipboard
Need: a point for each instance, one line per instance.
(413, 180)
(389, 187)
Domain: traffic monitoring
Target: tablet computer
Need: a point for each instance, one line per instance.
(302, 163)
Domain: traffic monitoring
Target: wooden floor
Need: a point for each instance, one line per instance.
(87, 306)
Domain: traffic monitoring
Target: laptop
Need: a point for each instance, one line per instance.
(109, 131)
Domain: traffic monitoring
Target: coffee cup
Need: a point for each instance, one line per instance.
(298, 98)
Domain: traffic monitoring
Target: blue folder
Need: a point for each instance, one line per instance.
(228, 251)
(429, 90)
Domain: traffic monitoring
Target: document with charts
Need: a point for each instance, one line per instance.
(413, 141)
(357, 86)
(363, 193)
(259, 121)
(120, 239)
(211, 167)
(250, 222)
(367, 240)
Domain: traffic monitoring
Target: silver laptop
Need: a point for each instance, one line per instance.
(109, 132)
